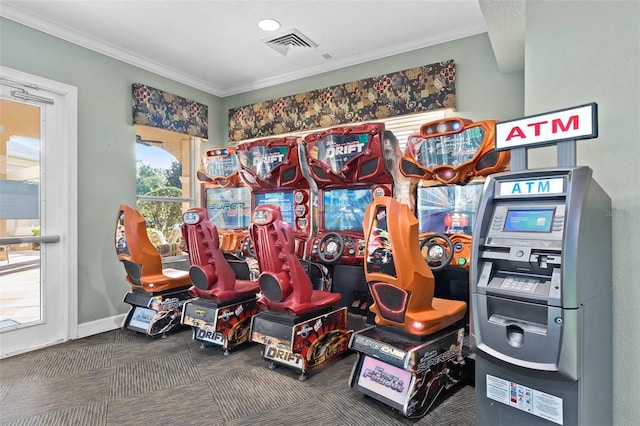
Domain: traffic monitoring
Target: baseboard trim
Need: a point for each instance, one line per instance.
(100, 326)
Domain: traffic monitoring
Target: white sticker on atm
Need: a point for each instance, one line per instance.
(526, 399)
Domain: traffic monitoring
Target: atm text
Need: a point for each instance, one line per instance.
(557, 126)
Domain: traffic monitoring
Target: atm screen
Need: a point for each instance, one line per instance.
(284, 200)
(524, 220)
(344, 209)
(229, 208)
(449, 209)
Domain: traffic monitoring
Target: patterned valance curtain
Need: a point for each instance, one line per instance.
(156, 108)
(424, 88)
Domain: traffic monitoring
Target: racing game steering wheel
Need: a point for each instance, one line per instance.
(439, 251)
(330, 247)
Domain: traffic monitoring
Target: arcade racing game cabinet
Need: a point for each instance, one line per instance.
(225, 296)
(272, 168)
(426, 356)
(157, 294)
(448, 162)
(226, 197)
(224, 305)
(414, 351)
(300, 327)
(350, 167)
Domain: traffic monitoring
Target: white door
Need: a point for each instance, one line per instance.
(38, 212)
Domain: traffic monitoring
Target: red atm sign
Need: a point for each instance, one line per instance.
(544, 129)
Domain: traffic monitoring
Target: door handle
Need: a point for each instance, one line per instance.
(21, 240)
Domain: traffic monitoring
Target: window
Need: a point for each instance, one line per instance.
(165, 183)
(402, 126)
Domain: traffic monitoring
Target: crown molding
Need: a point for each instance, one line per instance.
(100, 46)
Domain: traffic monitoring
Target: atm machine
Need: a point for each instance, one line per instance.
(542, 293)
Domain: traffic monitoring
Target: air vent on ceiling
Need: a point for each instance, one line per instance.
(294, 38)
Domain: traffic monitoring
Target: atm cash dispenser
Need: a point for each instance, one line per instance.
(542, 296)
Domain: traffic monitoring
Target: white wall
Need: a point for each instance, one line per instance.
(589, 51)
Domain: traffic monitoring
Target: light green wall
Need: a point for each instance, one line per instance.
(581, 52)
(576, 52)
(106, 148)
(482, 92)
(106, 137)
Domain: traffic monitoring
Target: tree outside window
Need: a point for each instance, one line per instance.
(164, 177)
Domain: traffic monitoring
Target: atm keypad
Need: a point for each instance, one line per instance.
(558, 222)
(498, 222)
(524, 285)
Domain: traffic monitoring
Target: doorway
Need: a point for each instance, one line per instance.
(38, 212)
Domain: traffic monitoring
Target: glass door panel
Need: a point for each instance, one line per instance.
(20, 261)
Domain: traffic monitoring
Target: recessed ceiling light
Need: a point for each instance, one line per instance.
(268, 24)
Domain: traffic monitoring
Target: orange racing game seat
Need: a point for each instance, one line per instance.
(141, 258)
(401, 282)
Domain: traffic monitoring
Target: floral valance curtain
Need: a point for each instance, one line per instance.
(156, 108)
(424, 88)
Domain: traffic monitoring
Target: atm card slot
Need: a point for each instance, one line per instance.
(527, 315)
(514, 323)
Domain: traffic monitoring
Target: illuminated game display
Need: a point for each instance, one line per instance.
(271, 168)
(343, 209)
(284, 200)
(448, 209)
(350, 169)
(228, 208)
(226, 198)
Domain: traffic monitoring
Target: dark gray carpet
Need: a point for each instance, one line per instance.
(124, 378)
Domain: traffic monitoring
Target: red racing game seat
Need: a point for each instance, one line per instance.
(284, 284)
(211, 273)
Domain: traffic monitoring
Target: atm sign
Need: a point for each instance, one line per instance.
(532, 187)
(543, 129)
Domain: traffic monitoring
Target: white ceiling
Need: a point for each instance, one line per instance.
(216, 46)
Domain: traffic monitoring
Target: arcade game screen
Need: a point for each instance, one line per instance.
(450, 149)
(448, 209)
(344, 208)
(283, 199)
(229, 208)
